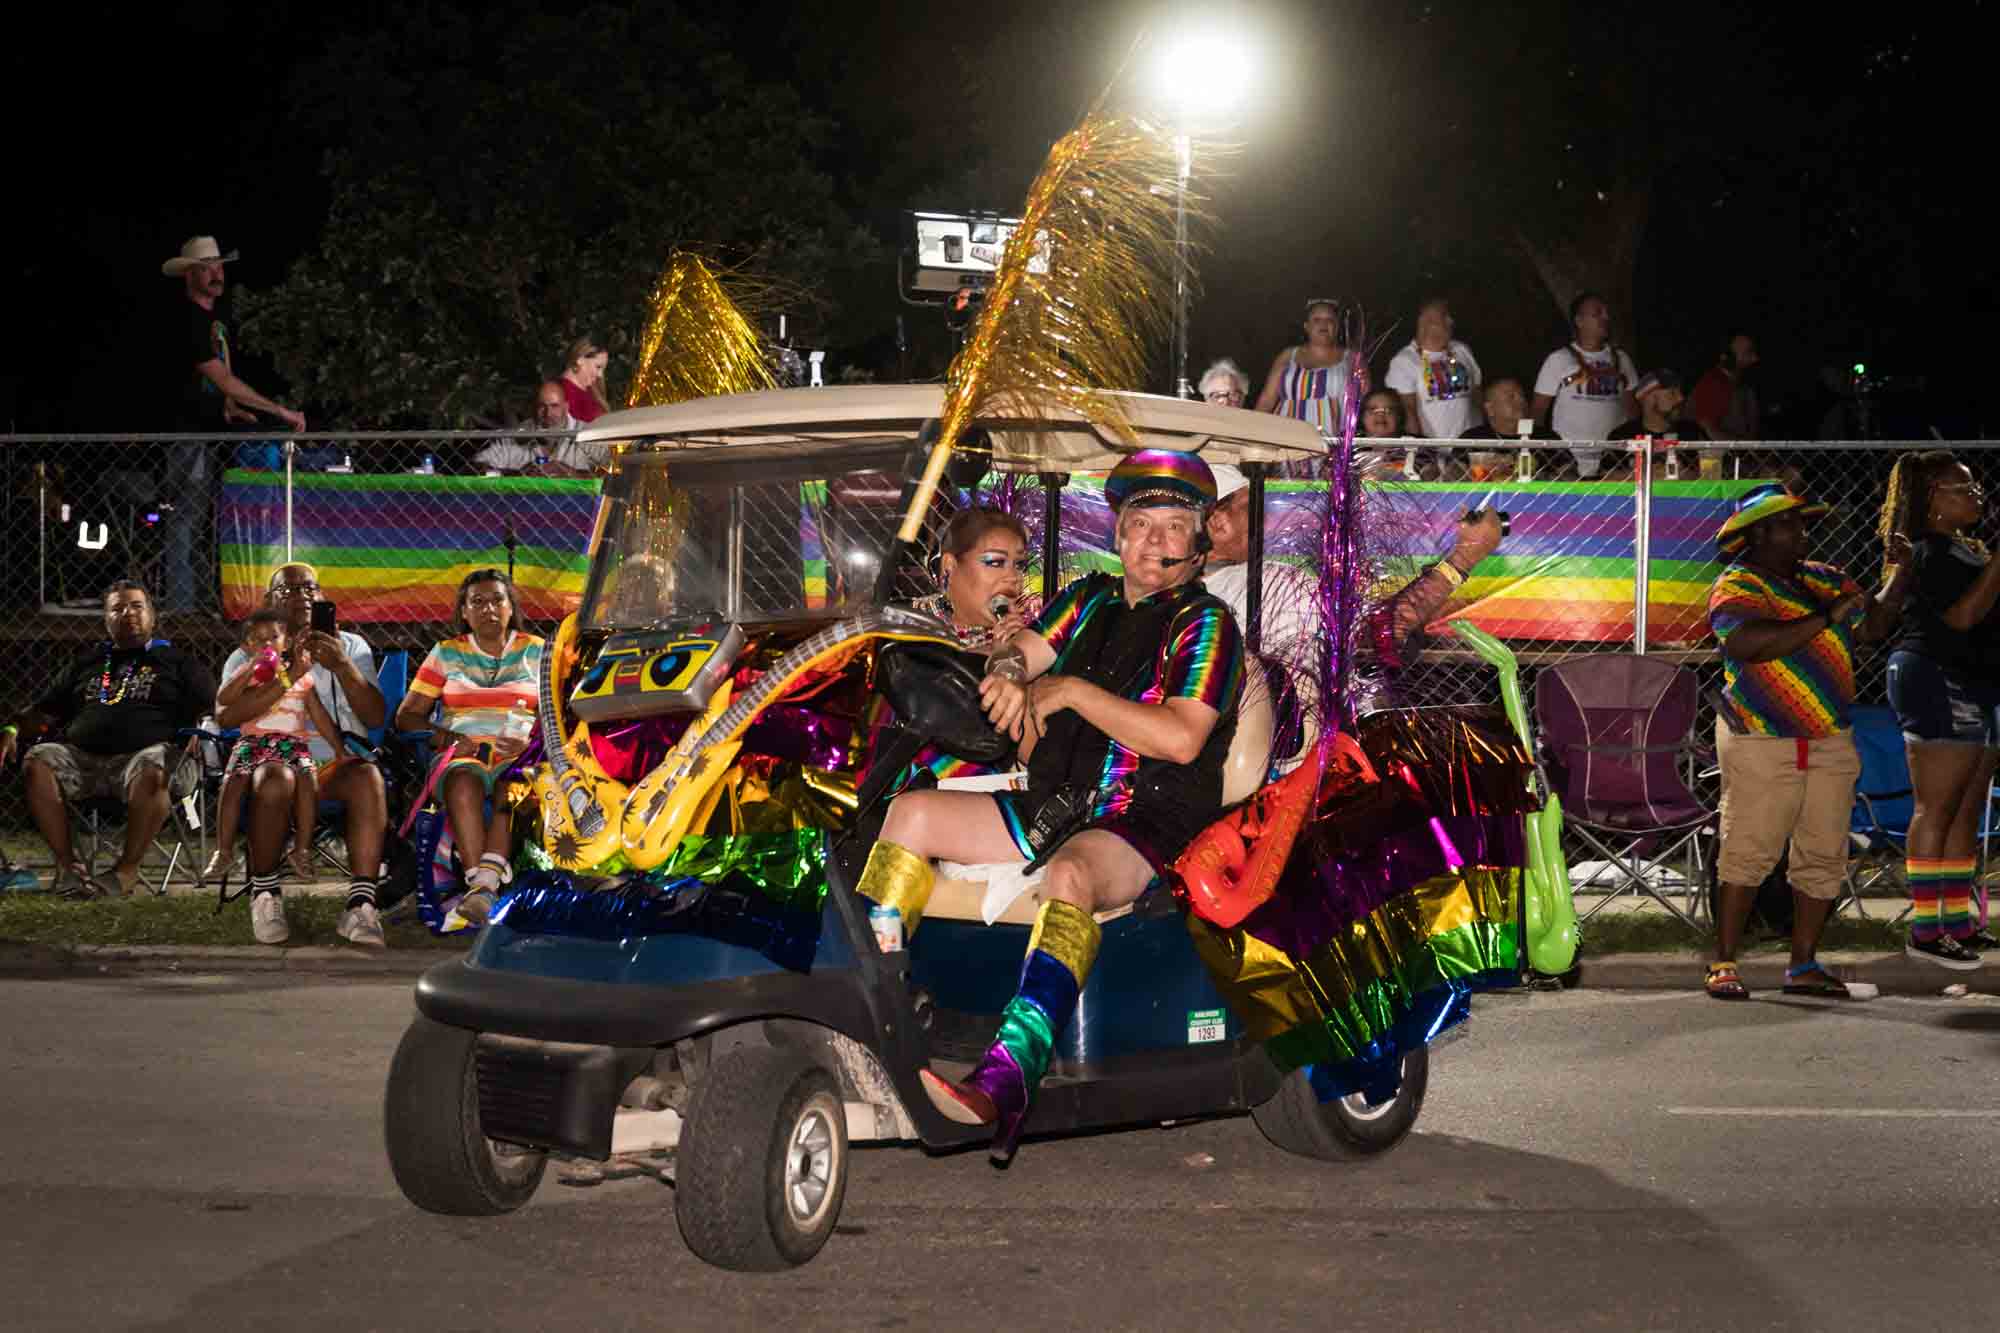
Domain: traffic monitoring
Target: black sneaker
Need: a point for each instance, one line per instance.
(1945, 952)
(1981, 941)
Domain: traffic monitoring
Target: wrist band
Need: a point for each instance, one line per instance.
(1449, 571)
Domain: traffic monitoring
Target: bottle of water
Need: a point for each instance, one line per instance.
(430, 465)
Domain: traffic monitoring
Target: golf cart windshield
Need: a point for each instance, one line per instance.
(742, 535)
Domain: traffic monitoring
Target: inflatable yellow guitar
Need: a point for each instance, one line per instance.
(579, 804)
(683, 790)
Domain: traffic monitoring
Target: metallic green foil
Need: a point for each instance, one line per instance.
(787, 867)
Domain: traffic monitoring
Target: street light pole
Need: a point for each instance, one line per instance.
(1184, 163)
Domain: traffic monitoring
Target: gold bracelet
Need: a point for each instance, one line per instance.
(1450, 572)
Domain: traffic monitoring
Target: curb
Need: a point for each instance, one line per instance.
(48, 960)
(1895, 973)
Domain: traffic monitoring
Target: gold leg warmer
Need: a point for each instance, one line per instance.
(897, 877)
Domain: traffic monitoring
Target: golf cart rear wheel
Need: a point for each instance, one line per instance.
(1347, 1127)
(442, 1162)
(762, 1166)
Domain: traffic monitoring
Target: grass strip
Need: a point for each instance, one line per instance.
(183, 920)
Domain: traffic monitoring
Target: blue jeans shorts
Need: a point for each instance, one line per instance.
(1934, 702)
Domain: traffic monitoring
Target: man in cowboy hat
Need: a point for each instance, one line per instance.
(211, 400)
(1787, 626)
(1124, 717)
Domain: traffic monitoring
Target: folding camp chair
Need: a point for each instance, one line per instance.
(1616, 731)
(1879, 828)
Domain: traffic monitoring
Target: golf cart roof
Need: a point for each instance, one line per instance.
(847, 417)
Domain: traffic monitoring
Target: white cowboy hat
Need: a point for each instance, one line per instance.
(198, 250)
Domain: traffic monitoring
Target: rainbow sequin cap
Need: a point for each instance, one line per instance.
(1161, 477)
(1758, 505)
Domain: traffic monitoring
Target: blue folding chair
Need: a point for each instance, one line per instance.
(1879, 826)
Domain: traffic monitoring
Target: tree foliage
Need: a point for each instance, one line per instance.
(503, 181)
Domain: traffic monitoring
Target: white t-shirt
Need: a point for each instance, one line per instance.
(518, 455)
(1290, 607)
(331, 693)
(1589, 406)
(1448, 397)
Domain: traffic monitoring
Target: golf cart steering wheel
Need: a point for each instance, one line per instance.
(935, 692)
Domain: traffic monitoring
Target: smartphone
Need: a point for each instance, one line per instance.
(323, 621)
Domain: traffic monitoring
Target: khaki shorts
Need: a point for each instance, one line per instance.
(82, 776)
(1769, 799)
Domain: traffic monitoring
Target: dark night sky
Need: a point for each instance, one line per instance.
(181, 127)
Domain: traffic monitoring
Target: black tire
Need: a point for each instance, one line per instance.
(430, 1118)
(1348, 1128)
(762, 1167)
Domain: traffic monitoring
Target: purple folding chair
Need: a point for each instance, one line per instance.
(1615, 730)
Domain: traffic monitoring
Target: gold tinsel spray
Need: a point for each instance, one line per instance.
(698, 342)
(1100, 218)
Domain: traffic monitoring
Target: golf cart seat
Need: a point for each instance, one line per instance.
(961, 890)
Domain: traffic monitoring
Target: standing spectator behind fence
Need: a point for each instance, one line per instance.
(486, 678)
(563, 457)
(1783, 733)
(211, 401)
(1225, 384)
(121, 708)
(1585, 388)
(1725, 402)
(1309, 381)
(583, 380)
(1942, 686)
(1436, 377)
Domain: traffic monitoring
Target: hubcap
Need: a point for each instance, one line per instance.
(809, 1166)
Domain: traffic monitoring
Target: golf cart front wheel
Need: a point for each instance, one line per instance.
(1348, 1127)
(442, 1160)
(762, 1166)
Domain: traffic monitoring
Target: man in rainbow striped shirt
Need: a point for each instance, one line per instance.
(1787, 626)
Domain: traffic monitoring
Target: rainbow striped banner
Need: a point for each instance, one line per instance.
(1567, 570)
(394, 547)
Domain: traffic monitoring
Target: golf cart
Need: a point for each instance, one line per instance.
(711, 1006)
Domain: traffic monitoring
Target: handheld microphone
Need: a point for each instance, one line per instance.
(998, 606)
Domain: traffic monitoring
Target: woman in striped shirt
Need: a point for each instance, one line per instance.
(485, 680)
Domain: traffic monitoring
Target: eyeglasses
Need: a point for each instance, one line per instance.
(306, 589)
(1224, 395)
(498, 603)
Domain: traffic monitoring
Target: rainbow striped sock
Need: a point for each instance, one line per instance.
(1955, 898)
(1928, 877)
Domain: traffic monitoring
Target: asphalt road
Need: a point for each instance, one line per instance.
(205, 1153)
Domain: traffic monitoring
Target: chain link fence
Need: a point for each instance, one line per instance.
(394, 521)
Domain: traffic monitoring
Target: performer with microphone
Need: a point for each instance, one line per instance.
(1124, 710)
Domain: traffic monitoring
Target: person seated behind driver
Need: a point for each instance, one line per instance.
(1290, 606)
(1124, 717)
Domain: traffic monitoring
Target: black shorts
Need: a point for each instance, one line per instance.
(1158, 835)
(1934, 702)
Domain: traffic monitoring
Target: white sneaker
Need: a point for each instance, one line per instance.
(362, 925)
(267, 918)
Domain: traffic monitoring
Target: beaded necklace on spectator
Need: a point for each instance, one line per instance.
(104, 694)
(1451, 383)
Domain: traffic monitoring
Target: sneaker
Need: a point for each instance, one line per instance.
(267, 918)
(1981, 941)
(476, 906)
(362, 925)
(1945, 952)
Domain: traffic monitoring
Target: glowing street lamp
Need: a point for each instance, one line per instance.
(1201, 76)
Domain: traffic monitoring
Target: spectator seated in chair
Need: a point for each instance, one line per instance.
(120, 709)
(343, 677)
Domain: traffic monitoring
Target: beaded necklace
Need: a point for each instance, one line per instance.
(1446, 381)
(104, 694)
